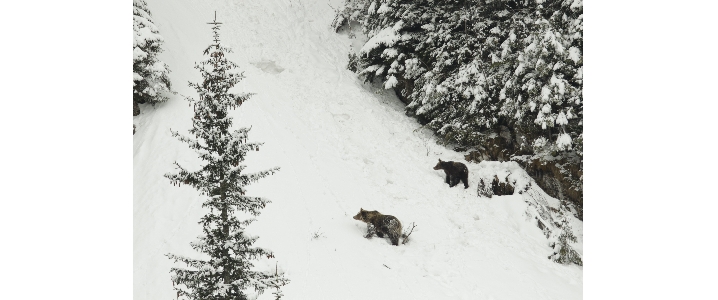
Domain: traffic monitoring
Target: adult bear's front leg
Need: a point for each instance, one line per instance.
(370, 230)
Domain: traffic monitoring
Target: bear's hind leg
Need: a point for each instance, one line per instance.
(454, 181)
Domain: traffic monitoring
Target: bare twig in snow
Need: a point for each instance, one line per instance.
(406, 236)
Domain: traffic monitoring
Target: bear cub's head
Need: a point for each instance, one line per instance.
(366, 215)
(358, 216)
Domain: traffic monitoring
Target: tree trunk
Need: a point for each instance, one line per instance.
(225, 227)
(135, 108)
(225, 231)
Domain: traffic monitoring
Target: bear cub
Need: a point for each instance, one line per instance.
(455, 172)
(380, 224)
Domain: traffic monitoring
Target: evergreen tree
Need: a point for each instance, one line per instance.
(227, 273)
(150, 75)
(564, 253)
(475, 70)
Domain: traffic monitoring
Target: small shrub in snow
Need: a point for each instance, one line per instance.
(501, 178)
(317, 234)
(406, 235)
(565, 254)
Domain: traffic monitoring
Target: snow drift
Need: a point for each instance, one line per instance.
(341, 146)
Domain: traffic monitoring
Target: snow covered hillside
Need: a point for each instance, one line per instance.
(341, 145)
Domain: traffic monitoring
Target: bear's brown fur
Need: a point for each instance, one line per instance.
(380, 224)
(455, 172)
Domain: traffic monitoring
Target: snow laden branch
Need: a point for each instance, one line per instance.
(195, 179)
(191, 142)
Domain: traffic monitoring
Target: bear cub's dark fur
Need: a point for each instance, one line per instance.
(455, 172)
(380, 224)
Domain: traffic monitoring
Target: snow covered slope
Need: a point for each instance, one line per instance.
(342, 146)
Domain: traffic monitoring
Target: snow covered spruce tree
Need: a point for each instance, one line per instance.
(500, 77)
(227, 273)
(389, 55)
(150, 75)
(543, 93)
(564, 253)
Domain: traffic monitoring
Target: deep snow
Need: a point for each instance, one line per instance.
(342, 145)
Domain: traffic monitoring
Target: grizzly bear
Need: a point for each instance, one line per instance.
(380, 224)
(455, 172)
